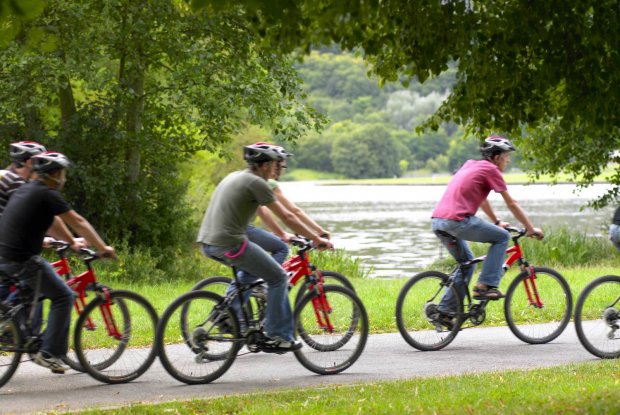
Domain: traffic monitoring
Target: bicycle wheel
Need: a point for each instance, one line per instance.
(217, 284)
(597, 317)
(10, 339)
(417, 316)
(329, 277)
(322, 321)
(213, 343)
(114, 342)
(71, 358)
(540, 311)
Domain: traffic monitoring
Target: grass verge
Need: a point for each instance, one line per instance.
(588, 388)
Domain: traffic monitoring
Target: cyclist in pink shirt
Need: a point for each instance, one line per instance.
(455, 222)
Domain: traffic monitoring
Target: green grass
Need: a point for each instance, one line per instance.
(589, 388)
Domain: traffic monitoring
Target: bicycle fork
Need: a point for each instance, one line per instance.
(531, 289)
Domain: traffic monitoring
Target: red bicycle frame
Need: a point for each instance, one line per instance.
(529, 283)
(299, 266)
(79, 284)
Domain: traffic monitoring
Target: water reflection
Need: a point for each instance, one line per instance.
(389, 226)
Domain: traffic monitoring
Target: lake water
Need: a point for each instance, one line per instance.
(388, 227)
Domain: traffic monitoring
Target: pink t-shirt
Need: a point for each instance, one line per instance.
(469, 187)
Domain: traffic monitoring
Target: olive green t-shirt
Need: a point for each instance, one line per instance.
(232, 207)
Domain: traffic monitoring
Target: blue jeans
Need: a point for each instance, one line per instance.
(270, 243)
(614, 235)
(472, 229)
(256, 261)
(56, 336)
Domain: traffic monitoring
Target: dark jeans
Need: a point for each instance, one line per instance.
(56, 336)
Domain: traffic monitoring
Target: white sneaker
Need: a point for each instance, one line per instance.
(55, 364)
(277, 345)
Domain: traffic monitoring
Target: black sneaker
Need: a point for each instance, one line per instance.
(55, 364)
(277, 345)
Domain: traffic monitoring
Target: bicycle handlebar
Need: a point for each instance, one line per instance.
(520, 232)
(63, 246)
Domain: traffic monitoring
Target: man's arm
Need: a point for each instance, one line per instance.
(60, 231)
(488, 210)
(272, 224)
(520, 215)
(297, 225)
(83, 228)
(297, 211)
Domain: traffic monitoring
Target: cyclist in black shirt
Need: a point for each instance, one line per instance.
(29, 215)
(614, 229)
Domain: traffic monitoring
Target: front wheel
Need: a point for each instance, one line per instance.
(328, 277)
(417, 314)
(10, 341)
(597, 317)
(114, 337)
(324, 318)
(198, 338)
(541, 310)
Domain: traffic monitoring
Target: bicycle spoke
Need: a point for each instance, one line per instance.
(193, 348)
(538, 309)
(114, 342)
(417, 312)
(597, 317)
(334, 329)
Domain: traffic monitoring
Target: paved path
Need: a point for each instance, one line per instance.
(387, 356)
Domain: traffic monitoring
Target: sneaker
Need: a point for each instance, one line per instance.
(277, 345)
(54, 363)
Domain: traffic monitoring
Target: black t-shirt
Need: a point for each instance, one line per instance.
(616, 220)
(27, 217)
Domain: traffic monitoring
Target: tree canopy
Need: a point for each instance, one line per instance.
(544, 73)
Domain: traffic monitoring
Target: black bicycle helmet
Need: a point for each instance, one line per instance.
(261, 152)
(285, 154)
(23, 150)
(50, 161)
(496, 144)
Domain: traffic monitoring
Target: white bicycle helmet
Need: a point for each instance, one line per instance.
(261, 152)
(50, 161)
(496, 144)
(23, 150)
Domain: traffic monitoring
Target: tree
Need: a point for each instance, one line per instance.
(368, 151)
(542, 73)
(128, 89)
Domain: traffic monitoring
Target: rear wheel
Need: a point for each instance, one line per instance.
(334, 324)
(597, 317)
(541, 310)
(197, 338)
(10, 339)
(417, 315)
(114, 340)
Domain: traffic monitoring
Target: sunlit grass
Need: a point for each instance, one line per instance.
(589, 388)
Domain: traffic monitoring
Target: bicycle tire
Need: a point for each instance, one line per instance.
(73, 362)
(184, 361)
(539, 325)
(92, 347)
(417, 294)
(10, 341)
(592, 318)
(329, 277)
(217, 284)
(344, 306)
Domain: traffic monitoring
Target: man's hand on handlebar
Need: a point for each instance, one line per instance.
(107, 252)
(322, 243)
(535, 233)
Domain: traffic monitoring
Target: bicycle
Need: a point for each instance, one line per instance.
(298, 268)
(597, 317)
(100, 339)
(537, 314)
(199, 334)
